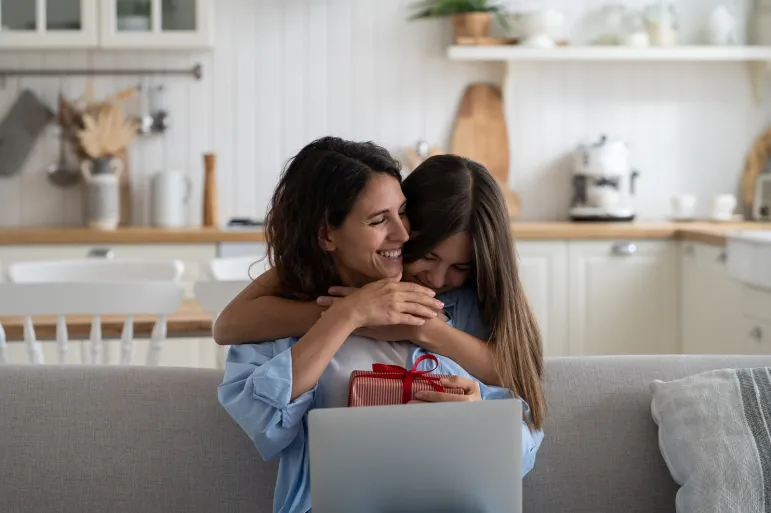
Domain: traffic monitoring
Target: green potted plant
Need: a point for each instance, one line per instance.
(470, 18)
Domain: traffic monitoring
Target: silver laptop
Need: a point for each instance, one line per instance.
(424, 458)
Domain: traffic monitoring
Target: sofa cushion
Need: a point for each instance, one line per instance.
(713, 435)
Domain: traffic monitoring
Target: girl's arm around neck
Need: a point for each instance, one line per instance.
(257, 315)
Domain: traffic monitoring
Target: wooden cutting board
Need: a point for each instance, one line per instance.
(480, 134)
(480, 129)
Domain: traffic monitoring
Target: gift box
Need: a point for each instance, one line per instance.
(390, 384)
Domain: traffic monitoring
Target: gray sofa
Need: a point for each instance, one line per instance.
(155, 440)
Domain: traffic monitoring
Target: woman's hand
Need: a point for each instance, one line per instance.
(386, 303)
(470, 388)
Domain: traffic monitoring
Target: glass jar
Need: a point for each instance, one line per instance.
(635, 32)
(661, 23)
(611, 24)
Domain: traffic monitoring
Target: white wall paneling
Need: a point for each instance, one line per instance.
(286, 71)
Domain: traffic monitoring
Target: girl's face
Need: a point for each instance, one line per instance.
(368, 245)
(446, 267)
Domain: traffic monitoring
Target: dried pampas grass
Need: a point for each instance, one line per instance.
(107, 132)
(98, 128)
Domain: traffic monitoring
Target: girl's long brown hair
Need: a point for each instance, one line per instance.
(447, 195)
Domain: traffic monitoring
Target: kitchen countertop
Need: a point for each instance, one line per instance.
(706, 232)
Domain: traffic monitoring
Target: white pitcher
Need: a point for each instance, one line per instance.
(170, 192)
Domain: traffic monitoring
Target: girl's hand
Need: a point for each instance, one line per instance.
(386, 303)
(388, 332)
(470, 388)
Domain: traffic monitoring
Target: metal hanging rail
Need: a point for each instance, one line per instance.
(196, 72)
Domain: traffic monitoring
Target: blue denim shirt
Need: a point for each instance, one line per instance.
(257, 388)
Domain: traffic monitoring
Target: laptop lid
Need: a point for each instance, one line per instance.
(461, 457)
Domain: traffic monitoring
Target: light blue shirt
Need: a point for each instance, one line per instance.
(257, 389)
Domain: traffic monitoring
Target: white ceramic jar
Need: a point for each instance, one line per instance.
(102, 182)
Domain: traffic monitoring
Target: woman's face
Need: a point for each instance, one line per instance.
(446, 267)
(368, 245)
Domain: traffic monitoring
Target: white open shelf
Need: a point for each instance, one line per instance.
(611, 53)
(756, 58)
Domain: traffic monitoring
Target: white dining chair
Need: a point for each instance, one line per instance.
(238, 268)
(95, 270)
(124, 287)
(214, 296)
(158, 298)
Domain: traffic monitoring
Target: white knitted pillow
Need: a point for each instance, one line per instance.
(714, 436)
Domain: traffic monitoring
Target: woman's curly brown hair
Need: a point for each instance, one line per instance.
(317, 189)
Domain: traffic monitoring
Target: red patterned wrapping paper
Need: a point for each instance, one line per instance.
(388, 384)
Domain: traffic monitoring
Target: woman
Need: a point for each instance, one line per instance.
(460, 243)
(350, 233)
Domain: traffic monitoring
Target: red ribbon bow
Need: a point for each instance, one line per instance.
(407, 376)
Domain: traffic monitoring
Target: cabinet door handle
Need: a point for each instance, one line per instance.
(101, 253)
(624, 249)
(723, 257)
(757, 333)
(690, 250)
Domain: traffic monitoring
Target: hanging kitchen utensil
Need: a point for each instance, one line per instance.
(160, 114)
(60, 173)
(145, 119)
(19, 129)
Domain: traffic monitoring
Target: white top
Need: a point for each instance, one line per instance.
(357, 353)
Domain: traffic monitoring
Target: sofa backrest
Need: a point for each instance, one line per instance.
(124, 440)
(600, 452)
(155, 440)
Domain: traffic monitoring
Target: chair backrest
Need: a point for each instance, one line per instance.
(214, 296)
(95, 287)
(95, 270)
(156, 298)
(237, 268)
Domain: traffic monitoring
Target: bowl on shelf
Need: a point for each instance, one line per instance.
(538, 29)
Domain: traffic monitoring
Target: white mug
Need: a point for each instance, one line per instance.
(170, 192)
(684, 206)
(723, 206)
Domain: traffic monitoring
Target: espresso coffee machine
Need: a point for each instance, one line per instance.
(603, 182)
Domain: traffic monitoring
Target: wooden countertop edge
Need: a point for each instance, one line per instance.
(127, 236)
(713, 239)
(710, 233)
(190, 321)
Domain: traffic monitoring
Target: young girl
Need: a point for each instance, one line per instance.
(461, 247)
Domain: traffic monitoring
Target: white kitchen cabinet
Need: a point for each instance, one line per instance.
(156, 24)
(543, 269)
(709, 301)
(40, 24)
(623, 297)
(754, 336)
